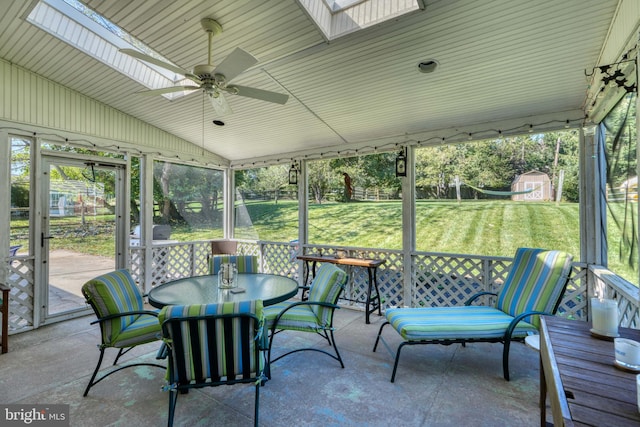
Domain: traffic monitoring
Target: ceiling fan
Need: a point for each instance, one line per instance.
(213, 80)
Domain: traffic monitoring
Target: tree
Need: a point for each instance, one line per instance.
(486, 164)
(273, 178)
(175, 186)
(320, 177)
(436, 168)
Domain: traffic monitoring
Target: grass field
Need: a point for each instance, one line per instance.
(494, 228)
(488, 227)
(475, 227)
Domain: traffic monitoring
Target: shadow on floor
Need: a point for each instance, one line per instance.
(435, 385)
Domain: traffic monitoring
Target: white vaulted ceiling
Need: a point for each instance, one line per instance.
(499, 60)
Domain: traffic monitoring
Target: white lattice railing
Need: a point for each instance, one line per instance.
(436, 278)
(607, 284)
(21, 299)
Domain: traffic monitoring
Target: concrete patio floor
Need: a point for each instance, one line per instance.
(435, 385)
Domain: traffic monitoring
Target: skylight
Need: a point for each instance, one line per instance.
(339, 5)
(93, 34)
(337, 18)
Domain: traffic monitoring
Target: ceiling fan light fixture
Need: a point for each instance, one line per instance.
(213, 79)
(210, 25)
(428, 66)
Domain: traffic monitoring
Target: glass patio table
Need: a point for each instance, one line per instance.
(269, 288)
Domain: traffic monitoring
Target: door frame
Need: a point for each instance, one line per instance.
(120, 167)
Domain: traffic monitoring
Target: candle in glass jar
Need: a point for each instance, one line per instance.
(226, 272)
(604, 316)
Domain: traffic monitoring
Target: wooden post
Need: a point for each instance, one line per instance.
(559, 190)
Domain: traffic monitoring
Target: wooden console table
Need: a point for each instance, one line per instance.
(578, 374)
(372, 302)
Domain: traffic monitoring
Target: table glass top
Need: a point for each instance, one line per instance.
(204, 290)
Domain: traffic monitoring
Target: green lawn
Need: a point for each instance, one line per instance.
(474, 227)
(487, 227)
(494, 228)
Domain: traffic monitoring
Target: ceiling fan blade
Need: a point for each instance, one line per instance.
(235, 63)
(151, 60)
(169, 89)
(263, 95)
(220, 105)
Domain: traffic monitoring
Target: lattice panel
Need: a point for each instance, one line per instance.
(136, 262)
(390, 282)
(437, 279)
(449, 280)
(248, 248)
(171, 263)
(201, 254)
(280, 258)
(574, 301)
(629, 312)
(21, 295)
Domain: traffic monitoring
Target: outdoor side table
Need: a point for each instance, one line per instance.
(372, 302)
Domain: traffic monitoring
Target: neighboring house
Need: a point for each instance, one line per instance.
(66, 197)
(536, 184)
(629, 188)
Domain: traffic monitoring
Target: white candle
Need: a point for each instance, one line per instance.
(638, 390)
(604, 316)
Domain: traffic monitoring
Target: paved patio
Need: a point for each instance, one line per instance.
(435, 385)
(68, 271)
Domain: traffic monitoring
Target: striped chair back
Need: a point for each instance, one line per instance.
(327, 285)
(214, 343)
(113, 293)
(244, 263)
(536, 282)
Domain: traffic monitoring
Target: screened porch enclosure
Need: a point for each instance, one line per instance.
(412, 277)
(156, 142)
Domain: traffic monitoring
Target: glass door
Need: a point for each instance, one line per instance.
(81, 201)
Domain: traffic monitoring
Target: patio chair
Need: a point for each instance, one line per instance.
(213, 344)
(312, 315)
(124, 322)
(13, 250)
(244, 263)
(4, 311)
(224, 247)
(534, 286)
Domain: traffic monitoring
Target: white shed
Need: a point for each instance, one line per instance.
(532, 186)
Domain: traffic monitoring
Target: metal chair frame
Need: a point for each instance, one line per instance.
(505, 339)
(4, 310)
(121, 351)
(173, 324)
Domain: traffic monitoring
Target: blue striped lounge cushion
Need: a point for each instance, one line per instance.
(446, 323)
(535, 281)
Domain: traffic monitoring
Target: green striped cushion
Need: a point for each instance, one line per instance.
(116, 292)
(440, 323)
(145, 328)
(299, 318)
(209, 347)
(535, 281)
(244, 263)
(326, 286)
